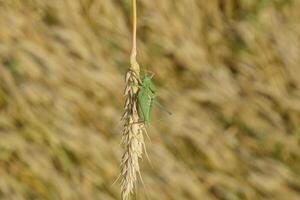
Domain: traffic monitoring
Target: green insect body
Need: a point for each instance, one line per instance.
(146, 98)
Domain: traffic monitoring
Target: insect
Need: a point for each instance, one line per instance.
(146, 99)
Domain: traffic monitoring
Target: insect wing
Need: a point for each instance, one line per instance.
(143, 104)
(145, 99)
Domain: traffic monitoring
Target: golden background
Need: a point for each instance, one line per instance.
(227, 70)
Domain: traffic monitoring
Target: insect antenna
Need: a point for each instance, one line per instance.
(150, 72)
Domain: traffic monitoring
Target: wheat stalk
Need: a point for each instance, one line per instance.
(132, 138)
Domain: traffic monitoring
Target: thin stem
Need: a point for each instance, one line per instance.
(134, 22)
(134, 64)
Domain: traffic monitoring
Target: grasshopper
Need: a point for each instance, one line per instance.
(146, 99)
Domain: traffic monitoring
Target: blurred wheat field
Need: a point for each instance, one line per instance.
(228, 71)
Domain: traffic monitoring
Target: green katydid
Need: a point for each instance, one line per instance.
(146, 99)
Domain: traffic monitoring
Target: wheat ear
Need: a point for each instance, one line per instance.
(132, 138)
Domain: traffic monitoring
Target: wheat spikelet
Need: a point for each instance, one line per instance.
(132, 139)
(132, 136)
